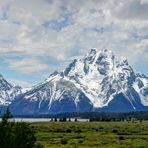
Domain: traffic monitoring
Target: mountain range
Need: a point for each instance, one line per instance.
(99, 81)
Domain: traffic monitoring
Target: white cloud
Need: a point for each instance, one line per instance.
(27, 65)
(133, 9)
(118, 25)
(21, 83)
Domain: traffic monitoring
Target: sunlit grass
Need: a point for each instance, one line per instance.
(92, 134)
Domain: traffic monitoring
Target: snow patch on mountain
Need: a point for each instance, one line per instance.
(7, 92)
(141, 86)
(100, 75)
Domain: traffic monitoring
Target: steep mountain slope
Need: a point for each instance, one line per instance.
(7, 92)
(99, 81)
(53, 96)
(141, 86)
(101, 75)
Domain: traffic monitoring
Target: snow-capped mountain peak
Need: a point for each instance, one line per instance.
(99, 80)
(101, 75)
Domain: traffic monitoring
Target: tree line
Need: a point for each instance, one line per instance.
(105, 116)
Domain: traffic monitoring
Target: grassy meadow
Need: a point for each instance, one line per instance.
(92, 134)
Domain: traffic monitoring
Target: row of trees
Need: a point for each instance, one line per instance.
(105, 116)
(64, 119)
(16, 134)
(94, 119)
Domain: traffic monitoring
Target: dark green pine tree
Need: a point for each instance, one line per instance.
(16, 135)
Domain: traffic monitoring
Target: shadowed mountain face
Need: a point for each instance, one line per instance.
(98, 81)
(55, 96)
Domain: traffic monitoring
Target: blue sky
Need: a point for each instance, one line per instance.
(40, 36)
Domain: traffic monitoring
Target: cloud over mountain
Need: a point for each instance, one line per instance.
(49, 33)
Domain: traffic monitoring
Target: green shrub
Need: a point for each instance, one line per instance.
(78, 131)
(80, 141)
(68, 130)
(114, 131)
(64, 141)
(121, 138)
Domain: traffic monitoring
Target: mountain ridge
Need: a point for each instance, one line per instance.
(98, 81)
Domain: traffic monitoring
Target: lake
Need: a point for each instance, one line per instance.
(42, 119)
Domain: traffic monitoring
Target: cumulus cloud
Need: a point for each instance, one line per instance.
(23, 83)
(27, 65)
(133, 9)
(49, 33)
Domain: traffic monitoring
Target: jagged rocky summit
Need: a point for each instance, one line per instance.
(100, 81)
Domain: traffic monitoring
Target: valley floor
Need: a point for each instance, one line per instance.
(92, 134)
